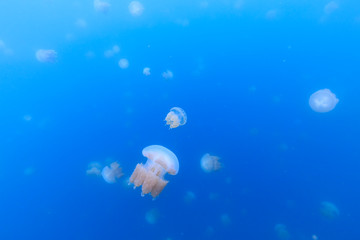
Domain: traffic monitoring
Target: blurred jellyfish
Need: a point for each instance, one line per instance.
(46, 55)
(271, 14)
(110, 174)
(152, 216)
(116, 49)
(210, 163)
(27, 117)
(330, 7)
(136, 8)
(111, 52)
(123, 63)
(189, 197)
(94, 168)
(160, 161)
(323, 101)
(176, 117)
(4, 49)
(281, 232)
(101, 6)
(168, 74)
(81, 23)
(146, 71)
(225, 219)
(329, 210)
(29, 171)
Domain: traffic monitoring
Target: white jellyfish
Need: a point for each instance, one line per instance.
(160, 161)
(176, 117)
(101, 6)
(146, 71)
(94, 168)
(46, 55)
(323, 101)
(123, 63)
(168, 74)
(112, 173)
(136, 8)
(281, 232)
(329, 210)
(210, 163)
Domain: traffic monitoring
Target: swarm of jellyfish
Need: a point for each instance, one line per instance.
(150, 176)
(176, 117)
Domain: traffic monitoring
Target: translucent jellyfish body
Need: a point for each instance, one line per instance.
(112, 173)
(329, 210)
(281, 232)
(94, 168)
(46, 55)
(176, 117)
(136, 8)
(160, 161)
(101, 6)
(323, 101)
(210, 163)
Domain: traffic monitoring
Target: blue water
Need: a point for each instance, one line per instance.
(243, 72)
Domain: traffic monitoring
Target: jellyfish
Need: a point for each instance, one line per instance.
(329, 210)
(168, 74)
(152, 216)
(176, 117)
(330, 7)
(136, 8)
(225, 219)
(160, 161)
(101, 6)
(281, 231)
(323, 101)
(46, 55)
(146, 71)
(189, 197)
(94, 168)
(110, 174)
(210, 163)
(81, 23)
(123, 63)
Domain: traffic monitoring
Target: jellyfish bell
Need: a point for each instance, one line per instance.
(160, 161)
(176, 117)
(210, 163)
(112, 173)
(136, 8)
(146, 71)
(152, 216)
(101, 6)
(323, 101)
(123, 63)
(329, 210)
(46, 55)
(281, 232)
(94, 168)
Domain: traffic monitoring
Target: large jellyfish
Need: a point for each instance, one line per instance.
(210, 163)
(101, 6)
(329, 210)
(323, 101)
(176, 117)
(136, 8)
(160, 161)
(46, 55)
(110, 174)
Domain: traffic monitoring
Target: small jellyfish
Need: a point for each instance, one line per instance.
(110, 174)
(281, 232)
(146, 71)
(330, 7)
(189, 197)
(94, 168)
(46, 55)
(160, 161)
(81, 23)
(168, 74)
(136, 8)
(329, 210)
(210, 163)
(323, 101)
(225, 219)
(123, 63)
(101, 6)
(176, 117)
(152, 216)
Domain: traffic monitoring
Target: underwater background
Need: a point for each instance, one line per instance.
(243, 71)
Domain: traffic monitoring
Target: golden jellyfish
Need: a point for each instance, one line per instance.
(176, 117)
(210, 163)
(160, 161)
(323, 101)
(112, 173)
